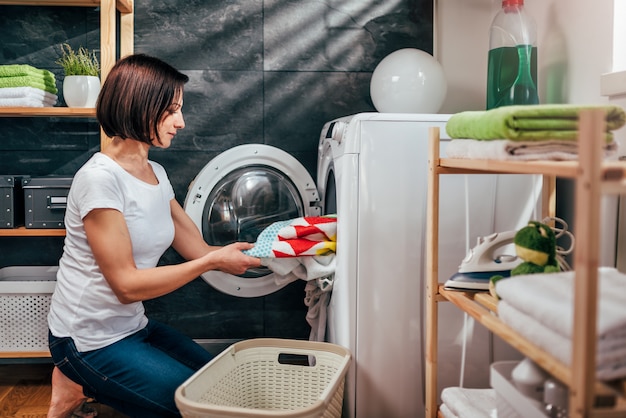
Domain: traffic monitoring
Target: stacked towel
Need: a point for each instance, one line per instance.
(540, 307)
(526, 132)
(468, 403)
(506, 149)
(529, 122)
(24, 85)
(303, 247)
(26, 96)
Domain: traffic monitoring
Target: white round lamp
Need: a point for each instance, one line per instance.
(408, 81)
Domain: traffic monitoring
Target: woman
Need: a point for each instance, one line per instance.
(121, 216)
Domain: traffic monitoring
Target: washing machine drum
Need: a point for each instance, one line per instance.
(237, 195)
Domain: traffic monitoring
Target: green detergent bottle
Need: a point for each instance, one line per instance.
(512, 62)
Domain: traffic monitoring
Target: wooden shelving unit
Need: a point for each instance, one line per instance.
(108, 41)
(109, 10)
(108, 30)
(593, 179)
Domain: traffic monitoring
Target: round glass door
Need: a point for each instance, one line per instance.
(237, 195)
(244, 203)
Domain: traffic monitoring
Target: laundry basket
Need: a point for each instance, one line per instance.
(268, 377)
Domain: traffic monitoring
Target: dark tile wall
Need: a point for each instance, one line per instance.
(261, 71)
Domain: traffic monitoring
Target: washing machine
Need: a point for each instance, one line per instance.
(238, 194)
(372, 173)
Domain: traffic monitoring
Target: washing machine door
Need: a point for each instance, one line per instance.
(237, 195)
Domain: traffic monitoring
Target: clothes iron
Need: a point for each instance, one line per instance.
(484, 261)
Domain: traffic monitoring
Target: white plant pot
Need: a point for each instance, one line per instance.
(81, 90)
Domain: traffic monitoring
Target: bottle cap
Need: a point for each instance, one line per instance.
(509, 3)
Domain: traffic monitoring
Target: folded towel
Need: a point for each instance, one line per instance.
(16, 70)
(505, 149)
(28, 92)
(445, 411)
(610, 355)
(304, 236)
(469, 403)
(24, 102)
(29, 81)
(549, 299)
(529, 122)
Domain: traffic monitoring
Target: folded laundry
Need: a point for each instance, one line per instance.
(549, 299)
(24, 102)
(468, 402)
(529, 122)
(15, 70)
(610, 355)
(505, 149)
(29, 93)
(29, 81)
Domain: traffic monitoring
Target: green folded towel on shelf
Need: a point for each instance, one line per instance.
(29, 81)
(16, 70)
(529, 122)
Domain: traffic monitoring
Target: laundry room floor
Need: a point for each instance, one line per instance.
(25, 392)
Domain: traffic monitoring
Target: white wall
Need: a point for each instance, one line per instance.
(574, 45)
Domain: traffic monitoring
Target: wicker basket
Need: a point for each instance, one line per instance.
(268, 377)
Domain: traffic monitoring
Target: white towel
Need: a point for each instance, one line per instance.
(469, 403)
(548, 298)
(23, 102)
(445, 411)
(303, 267)
(610, 356)
(504, 149)
(27, 92)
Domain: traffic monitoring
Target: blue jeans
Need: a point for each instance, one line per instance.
(137, 375)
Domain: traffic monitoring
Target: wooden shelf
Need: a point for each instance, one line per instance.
(62, 112)
(124, 6)
(112, 35)
(484, 308)
(611, 171)
(27, 232)
(25, 354)
(594, 177)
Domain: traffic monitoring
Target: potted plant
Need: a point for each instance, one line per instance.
(81, 85)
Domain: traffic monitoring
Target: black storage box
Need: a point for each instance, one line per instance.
(11, 201)
(45, 200)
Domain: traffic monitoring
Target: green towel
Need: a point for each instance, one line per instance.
(28, 81)
(15, 70)
(529, 122)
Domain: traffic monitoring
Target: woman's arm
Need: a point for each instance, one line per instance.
(188, 240)
(110, 242)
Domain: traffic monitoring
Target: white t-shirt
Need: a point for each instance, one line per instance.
(83, 305)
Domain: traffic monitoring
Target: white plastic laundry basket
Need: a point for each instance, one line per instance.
(25, 293)
(268, 377)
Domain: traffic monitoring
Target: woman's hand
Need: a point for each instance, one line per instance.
(231, 260)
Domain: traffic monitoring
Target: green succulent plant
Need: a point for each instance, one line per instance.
(81, 62)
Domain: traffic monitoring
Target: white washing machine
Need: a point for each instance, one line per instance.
(239, 193)
(372, 172)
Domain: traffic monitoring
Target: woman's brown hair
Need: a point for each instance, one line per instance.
(136, 95)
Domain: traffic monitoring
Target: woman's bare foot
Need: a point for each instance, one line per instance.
(66, 395)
